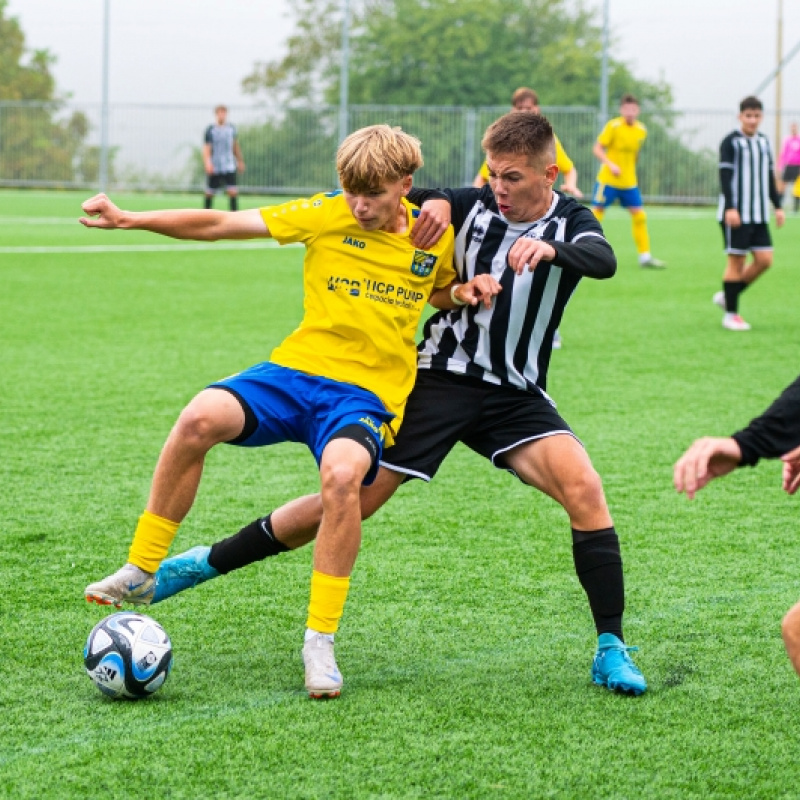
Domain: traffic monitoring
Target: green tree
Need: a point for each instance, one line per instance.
(448, 52)
(37, 143)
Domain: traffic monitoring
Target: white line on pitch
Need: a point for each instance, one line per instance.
(144, 248)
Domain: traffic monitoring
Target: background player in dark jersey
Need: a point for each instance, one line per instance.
(222, 159)
(482, 378)
(747, 184)
(774, 434)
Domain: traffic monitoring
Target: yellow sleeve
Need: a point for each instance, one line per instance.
(298, 220)
(607, 134)
(446, 273)
(563, 161)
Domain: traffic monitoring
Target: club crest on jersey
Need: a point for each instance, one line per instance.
(423, 263)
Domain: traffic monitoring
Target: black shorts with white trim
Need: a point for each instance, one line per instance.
(445, 408)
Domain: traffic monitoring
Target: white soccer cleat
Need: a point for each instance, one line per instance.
(127, 585)
(323, 678)
(733, 322)
(719, 299)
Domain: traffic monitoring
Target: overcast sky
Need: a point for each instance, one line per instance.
(712, 52)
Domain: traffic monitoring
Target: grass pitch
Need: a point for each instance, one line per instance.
(467, 640)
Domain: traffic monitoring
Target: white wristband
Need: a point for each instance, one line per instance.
(453, 295)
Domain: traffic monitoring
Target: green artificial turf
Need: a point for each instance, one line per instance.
(466, 641)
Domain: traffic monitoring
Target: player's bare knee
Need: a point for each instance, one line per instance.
(341, 481)
(584, 493)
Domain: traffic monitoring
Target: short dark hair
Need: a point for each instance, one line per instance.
(628, 98)
(521, 134)
(751, 102)
(524, 93)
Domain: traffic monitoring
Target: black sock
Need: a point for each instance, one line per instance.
(208, 200)
(234, 203)
(598, 563)
(254, 542)
(796, 203)
(732, 291)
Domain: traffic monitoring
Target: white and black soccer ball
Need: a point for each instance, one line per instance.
(128, 655)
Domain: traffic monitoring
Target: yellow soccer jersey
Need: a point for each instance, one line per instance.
(563, 162)
(364, 294)
(622, 143)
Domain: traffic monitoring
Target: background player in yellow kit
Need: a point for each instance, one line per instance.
(525, 99)
(338, 383)
(617, 147)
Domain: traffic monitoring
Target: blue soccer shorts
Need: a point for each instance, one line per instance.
(285, 405)
(604, 196)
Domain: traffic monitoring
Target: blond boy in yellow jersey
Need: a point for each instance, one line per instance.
(525, 99)
(617, 148)
(338, 383)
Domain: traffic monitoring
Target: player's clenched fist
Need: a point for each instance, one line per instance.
(102, 213)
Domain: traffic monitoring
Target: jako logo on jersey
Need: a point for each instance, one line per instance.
(352, 287)
(354, 242)
(423, 263)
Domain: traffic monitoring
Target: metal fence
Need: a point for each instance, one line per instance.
(291, 151)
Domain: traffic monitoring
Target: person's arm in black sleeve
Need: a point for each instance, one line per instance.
(775, 432)
(726, 157)
(590, 256)
(774, 195)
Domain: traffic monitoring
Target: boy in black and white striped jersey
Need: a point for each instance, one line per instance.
(747, 185)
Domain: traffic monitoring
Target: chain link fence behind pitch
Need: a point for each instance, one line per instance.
(292, 151)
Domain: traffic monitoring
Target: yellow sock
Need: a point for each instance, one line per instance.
(151, 541)
(796, 188)
(328, 595)
(640, 235)
(599, 213)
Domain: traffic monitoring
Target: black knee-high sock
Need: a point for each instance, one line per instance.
(234, 203)
(209, 199)
(598, 563)
(254, 542)
(732, 291)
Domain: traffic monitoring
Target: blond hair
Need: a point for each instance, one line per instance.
(371, 157)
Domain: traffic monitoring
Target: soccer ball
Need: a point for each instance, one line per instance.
(128, 655)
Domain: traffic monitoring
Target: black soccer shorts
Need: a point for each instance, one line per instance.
(218, 180)
(751, 236)
(445, 408)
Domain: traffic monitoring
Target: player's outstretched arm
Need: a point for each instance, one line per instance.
(706, 459)
(202, 224)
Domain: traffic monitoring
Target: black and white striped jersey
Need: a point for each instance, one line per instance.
(510, 343)
(746, 177)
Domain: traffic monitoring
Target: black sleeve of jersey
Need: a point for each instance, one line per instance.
(207, 138)
(774, 194)
(461, 200)
(726, 157)
(775, 432)
(585, 249)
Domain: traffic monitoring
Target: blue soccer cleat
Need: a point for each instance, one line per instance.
(614, 668)
(183, 572)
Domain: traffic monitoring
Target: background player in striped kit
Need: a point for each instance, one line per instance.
(222, 159)
(482, 378)
(747, 185)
